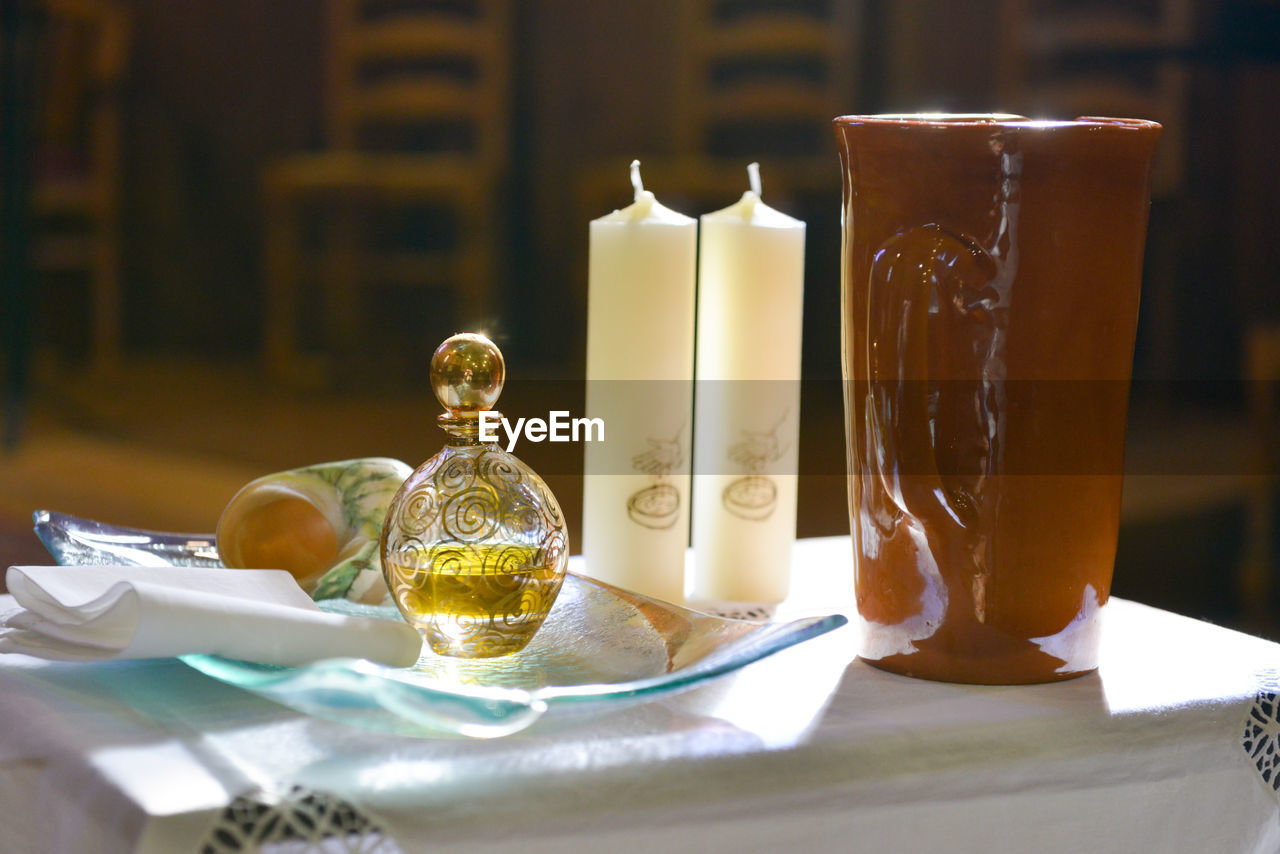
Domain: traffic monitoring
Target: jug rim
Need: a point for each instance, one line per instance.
(999, 120)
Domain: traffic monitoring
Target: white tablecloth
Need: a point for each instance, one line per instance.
(1171, 747)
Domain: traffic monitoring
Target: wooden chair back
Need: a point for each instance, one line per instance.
(86, 49)
(76, 135)
(411, 76)
(1120, 58)
(763, 77)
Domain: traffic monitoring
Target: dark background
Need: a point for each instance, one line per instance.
(215, 91)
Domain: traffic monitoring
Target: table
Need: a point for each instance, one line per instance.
(1174, 745)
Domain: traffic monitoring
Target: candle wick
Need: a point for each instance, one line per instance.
(635, 179)
(753, 178)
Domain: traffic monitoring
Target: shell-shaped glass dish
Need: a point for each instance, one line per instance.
(600, 644)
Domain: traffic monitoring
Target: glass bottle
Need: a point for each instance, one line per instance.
(474, 546)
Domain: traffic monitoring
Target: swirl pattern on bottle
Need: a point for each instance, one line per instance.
(474, 551)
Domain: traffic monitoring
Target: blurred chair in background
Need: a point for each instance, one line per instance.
(417, 105)
(1123, 58)
(755, 81)
(761, 80)
(75, 174)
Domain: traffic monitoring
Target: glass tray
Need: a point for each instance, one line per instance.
(599, 644)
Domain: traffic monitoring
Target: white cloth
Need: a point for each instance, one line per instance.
(94, 613)
(805, 750)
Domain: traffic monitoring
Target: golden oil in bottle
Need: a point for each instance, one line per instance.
(487, 600)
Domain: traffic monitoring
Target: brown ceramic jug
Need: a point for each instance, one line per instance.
(991, 270)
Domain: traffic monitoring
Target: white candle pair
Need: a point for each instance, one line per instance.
(640, 368)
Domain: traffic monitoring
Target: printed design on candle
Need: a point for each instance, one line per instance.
(657, 506)
(476, 554)
(754, 496)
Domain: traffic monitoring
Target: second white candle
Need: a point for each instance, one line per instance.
(747, 408)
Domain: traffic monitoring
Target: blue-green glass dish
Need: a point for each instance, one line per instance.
(599, 644)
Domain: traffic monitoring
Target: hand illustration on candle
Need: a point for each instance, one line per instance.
(754, 496)
(747, 409)
(658, 505)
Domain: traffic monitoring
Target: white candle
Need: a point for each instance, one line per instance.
(635, 503)
(747, 422)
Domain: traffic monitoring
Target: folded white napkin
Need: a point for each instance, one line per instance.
(93, 613)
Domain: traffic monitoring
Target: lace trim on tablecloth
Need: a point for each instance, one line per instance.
(1261, 737)
(298, 821)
